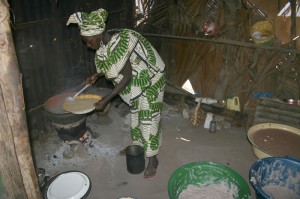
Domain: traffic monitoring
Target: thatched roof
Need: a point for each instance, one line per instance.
(218, 69)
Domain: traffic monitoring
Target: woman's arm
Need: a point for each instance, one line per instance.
(127, 73)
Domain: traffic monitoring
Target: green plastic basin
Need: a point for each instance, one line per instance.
(204, 174)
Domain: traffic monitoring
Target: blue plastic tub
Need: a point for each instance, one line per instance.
(276, 177)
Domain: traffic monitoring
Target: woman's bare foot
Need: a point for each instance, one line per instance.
(151, 168)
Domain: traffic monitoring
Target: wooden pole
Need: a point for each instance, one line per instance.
(16, 165)
(293, 22)
(226, 41)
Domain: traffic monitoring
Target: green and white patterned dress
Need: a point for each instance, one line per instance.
(144, 93)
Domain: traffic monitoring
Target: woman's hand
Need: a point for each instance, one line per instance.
(101, 104)
(93, 78)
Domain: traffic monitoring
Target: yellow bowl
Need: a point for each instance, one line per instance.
(259, 152)
(262, 33)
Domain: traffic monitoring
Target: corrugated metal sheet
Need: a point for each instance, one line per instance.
(52, 57)
(274, 111)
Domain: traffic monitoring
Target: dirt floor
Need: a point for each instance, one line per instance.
(99, 158)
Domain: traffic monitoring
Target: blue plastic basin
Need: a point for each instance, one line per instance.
(282, 173)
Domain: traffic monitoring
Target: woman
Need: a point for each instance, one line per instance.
(137, 71)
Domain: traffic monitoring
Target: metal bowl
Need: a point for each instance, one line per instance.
(293, 101)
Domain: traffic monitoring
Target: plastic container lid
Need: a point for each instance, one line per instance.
(72, 185)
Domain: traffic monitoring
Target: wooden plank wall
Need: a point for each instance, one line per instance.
(16, 163)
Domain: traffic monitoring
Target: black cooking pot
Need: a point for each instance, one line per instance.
(69, 126)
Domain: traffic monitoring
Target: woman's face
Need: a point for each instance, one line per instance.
(92, 41)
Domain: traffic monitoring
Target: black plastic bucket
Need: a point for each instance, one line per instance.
(135, 159)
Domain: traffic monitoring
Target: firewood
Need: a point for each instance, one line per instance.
(196, 116)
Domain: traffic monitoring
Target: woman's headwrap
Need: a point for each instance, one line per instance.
(90, 24)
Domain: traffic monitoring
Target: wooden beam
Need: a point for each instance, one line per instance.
(226, 41)
(16, 163)
(30, 24)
